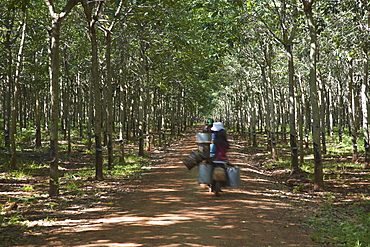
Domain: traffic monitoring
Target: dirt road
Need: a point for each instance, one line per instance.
(169, 208)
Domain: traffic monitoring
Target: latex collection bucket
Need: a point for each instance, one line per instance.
(205, 173)
(203, 137)
(233, 176)
(193, 159)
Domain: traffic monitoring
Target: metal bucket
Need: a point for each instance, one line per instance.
(193, 159)
(233, 176)
(205, 173)
(203, 138)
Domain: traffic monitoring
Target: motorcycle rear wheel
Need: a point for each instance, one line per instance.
(217, 188)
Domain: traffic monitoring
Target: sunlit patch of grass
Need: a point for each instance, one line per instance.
(344, 225)
(18, 174)
(127, 170)
(88, 151)
(308, 166)
(73, 184)
(34, 165)
(86, 172)
(286, 163)
(134, 159)
(27, 187)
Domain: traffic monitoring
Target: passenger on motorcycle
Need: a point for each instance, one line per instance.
(220, 141)
(219, 158)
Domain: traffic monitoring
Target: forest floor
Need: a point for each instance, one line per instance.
(167, 207)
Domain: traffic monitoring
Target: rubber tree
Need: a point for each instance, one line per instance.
(284, 31)
(318, 169)
(365, 93)
(365, 111)
(92, 18)
(265, 64)
(18, 67)
(54, 32)
(352, 105)
(108, 83)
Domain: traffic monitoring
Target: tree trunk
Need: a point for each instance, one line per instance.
(90, 112)
(292, 113)
(37, 120)
(352, 110)
(54, 90)
(110, 120)
(18, 67)
(95, 81)
(9, 85)
(318, 170)
(301, 113)
(323, 113)
(54, 118)
(366, 109)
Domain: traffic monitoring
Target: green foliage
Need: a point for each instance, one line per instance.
(129, 170)
(73, 183)
(342, 225)
(27, 187)
(20, 173)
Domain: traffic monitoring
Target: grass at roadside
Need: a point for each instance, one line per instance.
(347, 224)
(25, 189)
(339, 216)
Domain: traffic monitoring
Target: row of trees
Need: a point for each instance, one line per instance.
(115, 69)
(118, 68)
(304, 63)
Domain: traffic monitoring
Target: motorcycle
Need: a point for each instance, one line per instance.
(219, 176)
(214, 173)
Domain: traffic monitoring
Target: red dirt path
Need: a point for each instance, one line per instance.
(169, 208)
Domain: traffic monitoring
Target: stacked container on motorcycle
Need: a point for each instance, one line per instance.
(210, 170)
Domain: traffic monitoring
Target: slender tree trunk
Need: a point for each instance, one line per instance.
(366, 109)
(95, 80)
(18, 68)
(292, 113)
(352, 110)
(110, 120)
(9, 85)
(37, 111)
(253, 126)
(54, 89)
(54, 117)
(301, 114)
(318, 170)
(341, 113)
(37, 120)
(323, 113)
(90, 113)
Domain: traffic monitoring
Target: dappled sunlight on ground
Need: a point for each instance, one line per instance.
(169, 208)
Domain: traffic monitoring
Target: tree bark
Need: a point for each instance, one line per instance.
(54, 33)
(352, 111)
(95, 81)
(110, 121)
(366, 107)
(18, 67)
(318, 170)
(292, 113)
(54, 117)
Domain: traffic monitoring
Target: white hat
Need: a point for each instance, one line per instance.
(217, 126)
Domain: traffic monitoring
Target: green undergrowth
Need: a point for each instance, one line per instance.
(340, 216)
(341, 225)
(29, 185)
